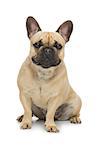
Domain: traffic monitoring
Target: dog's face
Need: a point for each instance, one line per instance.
(47, 48)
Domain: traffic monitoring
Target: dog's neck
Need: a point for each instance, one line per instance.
(47, 74)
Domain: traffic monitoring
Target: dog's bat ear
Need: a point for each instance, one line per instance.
(32, 26)
(65, 30)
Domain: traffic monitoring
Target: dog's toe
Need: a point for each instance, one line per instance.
(52, 128)
(26, 125)
(20, 118)
(75, 120)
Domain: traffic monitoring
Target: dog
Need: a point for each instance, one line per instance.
(44, 89)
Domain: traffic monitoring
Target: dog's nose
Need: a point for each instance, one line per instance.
(48, 51)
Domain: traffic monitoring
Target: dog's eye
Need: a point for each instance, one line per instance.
(38, 44)
(57, 45)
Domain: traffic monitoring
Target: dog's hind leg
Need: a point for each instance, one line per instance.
(20, 118)
(70, 110)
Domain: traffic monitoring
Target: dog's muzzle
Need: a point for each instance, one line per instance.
(47, 58)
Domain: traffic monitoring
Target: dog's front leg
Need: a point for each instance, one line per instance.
(51, 109)
(27, 105)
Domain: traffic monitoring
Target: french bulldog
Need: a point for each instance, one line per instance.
(44, 89)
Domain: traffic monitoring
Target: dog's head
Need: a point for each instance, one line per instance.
(47, 48)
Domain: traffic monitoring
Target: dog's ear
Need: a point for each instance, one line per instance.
(32, 26)
(65, 30)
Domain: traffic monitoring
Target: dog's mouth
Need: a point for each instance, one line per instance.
(47, 57)
(46, 63)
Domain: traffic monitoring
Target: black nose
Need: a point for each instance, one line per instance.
(49, 51)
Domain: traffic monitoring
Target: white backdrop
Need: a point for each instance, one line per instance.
(82, 58)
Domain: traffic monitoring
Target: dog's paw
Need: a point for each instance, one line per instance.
(26, 125)
(51, 128)
(75, 120)
(20, 118)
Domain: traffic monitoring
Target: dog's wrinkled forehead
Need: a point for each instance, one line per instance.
(48, 38)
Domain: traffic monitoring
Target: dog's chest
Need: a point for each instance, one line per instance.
(41, 93)
(44, 86)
